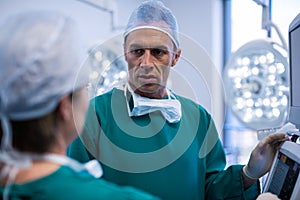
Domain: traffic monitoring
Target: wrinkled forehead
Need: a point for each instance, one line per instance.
(149, 38)
(161, 26)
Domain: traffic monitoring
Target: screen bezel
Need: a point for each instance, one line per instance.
(294, 110)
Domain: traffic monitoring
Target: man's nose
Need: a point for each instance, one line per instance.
(146, 59)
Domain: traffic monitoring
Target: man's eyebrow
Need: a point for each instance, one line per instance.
(160, 48)
(138, 46)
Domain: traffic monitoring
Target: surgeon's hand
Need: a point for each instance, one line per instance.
(267, 196)
(262, 156)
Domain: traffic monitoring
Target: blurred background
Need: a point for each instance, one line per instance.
(255, 82)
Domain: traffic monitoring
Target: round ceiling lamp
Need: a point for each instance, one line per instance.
(107, 67)
(256, 82)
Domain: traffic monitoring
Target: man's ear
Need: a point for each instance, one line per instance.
(65, 107)
(176, 57)
(124, 51)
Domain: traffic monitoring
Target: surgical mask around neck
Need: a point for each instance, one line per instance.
(170, 108)
(23, 160)
(12, 161)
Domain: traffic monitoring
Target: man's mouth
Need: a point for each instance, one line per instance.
(147, 79)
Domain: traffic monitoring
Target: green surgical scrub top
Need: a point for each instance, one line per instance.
(65, 183)
(183, 160)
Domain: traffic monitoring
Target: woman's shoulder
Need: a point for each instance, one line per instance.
(65, 183)
(89, 187)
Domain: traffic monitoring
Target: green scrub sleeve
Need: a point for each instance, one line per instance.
(228, 184)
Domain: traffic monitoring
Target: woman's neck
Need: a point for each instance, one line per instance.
(38, 169)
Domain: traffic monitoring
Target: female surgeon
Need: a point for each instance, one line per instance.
(40, 82)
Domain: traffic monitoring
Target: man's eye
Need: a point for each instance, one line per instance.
(158, 52)
(137, 52)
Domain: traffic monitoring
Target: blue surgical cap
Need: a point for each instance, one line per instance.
(153, 15)
(40, 61)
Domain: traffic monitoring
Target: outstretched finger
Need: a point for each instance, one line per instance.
(274, 137)
(277, 139)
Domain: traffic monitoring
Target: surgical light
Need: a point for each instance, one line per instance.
(108, 69)
(256, 79)
(256, 82)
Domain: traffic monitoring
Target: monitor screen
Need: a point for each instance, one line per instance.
(283, 179)
(294, 71)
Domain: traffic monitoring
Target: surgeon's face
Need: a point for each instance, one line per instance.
(150, 54)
